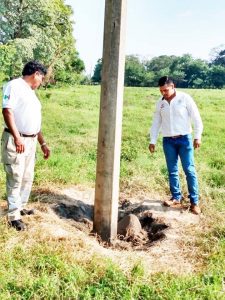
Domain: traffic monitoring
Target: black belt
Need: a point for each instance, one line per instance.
(176, 136)
(22, 134)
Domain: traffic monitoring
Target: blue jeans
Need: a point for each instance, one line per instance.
(181, 147)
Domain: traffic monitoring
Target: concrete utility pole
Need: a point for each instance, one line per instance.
(110, 122)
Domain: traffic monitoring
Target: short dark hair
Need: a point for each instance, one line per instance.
(165, 80)
(33, 66)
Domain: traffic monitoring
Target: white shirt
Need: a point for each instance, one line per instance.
(175, 118)
(26, 108)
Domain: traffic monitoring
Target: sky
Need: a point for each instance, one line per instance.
(153, 28)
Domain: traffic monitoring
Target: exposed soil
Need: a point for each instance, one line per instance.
(162, 238)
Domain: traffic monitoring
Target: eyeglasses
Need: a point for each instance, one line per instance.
(40, 75)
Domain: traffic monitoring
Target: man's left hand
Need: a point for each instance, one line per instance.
(46, 151)
(196, 143)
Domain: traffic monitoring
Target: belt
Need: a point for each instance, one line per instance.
(22, 134)
(176, 136)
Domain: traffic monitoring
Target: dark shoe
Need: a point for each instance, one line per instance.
(18, 224)
(25, 212)
(195, 209)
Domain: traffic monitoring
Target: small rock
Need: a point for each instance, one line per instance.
(129, 226)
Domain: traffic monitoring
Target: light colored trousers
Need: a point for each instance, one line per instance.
(19, 168)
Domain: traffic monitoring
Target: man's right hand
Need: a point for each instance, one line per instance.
(20, 148)
(151, 148)
(10, 122)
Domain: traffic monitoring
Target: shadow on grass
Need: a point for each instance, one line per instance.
(65, 206)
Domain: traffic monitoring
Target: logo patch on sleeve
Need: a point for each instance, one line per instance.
(6, 97)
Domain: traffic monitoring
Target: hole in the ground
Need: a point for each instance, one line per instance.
(136, 225)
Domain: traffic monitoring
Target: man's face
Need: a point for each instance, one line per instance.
(167, 90)
(37, 80)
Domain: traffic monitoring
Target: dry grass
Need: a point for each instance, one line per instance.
(176, 254)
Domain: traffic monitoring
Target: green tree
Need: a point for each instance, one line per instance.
(196, 73)
(218, 56)
(217, 76)
(186, 71)
(6, 57)
(159, 66)
(39, 30)
(134, 71)
(178, 69)
(160, 62)
(71, 72)
(149, 79)
(96, 78)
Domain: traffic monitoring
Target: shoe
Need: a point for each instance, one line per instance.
(25, 212)
(195, 209)
(171, 203)
(17, 224)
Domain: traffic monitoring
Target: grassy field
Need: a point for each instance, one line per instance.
(70, 126)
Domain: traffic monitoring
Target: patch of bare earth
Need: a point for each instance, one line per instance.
(165, 242)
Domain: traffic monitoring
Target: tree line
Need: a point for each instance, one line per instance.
(43, 30)
(186, 71)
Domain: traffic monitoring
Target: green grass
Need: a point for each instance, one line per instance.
(70, 125)
(48, 270)
(45, 270)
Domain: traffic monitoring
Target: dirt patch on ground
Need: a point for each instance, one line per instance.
(165, 242)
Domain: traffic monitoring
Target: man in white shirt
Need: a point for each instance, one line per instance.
(173, 116)
(22, 116)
